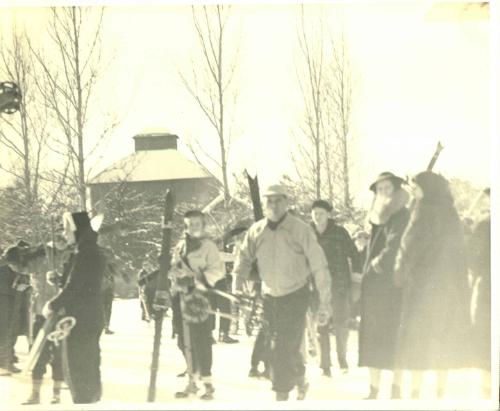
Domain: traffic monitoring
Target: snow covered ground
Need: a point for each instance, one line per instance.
(126, 357)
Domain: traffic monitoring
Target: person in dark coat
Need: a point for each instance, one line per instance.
(341, 254)
(15, 292)
(45, 287)
(431, 268)
(361, 239)
(380, 299)
(81, 298)
(9, 319)
(480, 263)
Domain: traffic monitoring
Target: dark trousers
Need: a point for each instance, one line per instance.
(108, 306)
(84, 360)
(10, 317)
(201, 340)
(222, 304)
(262, 347)
(288, 318)
(51, 354)
(340, 323)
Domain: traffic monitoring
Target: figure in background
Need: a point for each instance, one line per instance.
(479, 248)
(431, 268)
(287, 254)
(341, 254)
(224, 306)
(81, 298)
(361, 239)
(15, 293)
(45, 285)
(108, 287)
(146, 282)
(261, 352)
(9, 316)
(380, 298)
(196, 264)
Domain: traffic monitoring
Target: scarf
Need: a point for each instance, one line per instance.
(188, 245)
(273, 225)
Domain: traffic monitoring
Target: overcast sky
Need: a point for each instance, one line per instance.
(417, 80)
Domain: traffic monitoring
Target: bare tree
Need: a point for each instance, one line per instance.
(67, 81)
(311, 84)
(325, 81)
(211, 82)
(338, 93)
(25, 133)
(24, 136)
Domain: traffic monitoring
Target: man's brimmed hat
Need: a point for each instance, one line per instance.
(386, 175)
(275, 190)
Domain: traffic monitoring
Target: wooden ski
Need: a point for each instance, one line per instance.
(39, 343)
(162, 296)
(258, 214)
(434, 158)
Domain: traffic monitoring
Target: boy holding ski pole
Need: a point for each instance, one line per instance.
(196, 265)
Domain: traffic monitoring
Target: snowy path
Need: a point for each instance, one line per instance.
(126, 357)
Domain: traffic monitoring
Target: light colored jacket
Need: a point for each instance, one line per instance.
(286, 258)
(205, 261)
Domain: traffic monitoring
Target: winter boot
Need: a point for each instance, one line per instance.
(35, 393)
(327, 372)
(4, 372)
(56, 392)
(190, 389)
(373, 393)
(254, 373)
(344, 367)
(209, 392)
(395, 392)
(281, 396)
(226, 339)
(182, 374)
(302, 388)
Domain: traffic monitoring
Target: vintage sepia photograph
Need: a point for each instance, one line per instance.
(249, 205)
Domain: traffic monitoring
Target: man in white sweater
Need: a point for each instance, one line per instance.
(288, 258)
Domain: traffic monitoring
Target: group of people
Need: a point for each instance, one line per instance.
(411, 278)
(415, 293)
(418, 274)
(72, 276)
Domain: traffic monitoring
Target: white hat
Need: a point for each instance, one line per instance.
(275, 190)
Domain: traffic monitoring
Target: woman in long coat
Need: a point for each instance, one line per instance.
(380, 299)
(81, 297)
(431, 267)
(480, 263)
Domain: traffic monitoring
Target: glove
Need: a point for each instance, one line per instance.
(47, 309)
(200, 286)
(357, 277)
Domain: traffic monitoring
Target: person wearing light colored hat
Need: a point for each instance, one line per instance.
(380, 301)
(287, 254)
